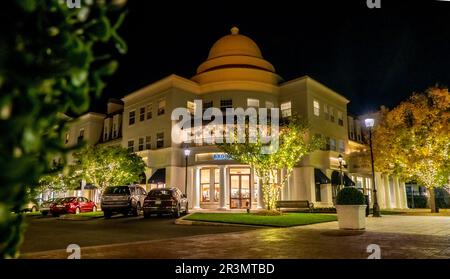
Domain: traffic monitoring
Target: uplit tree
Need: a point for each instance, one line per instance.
(413, 141)
(52, 59)
(104, 166)
(294, 143)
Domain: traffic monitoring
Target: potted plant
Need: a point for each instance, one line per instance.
(351, 209)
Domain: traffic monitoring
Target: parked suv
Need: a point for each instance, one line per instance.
(165, 200)
(123, 199)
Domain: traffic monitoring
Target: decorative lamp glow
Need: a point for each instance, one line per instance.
(370, 122)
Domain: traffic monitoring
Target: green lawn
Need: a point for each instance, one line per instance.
(285, 220)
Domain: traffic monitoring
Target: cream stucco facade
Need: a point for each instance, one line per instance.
(235, 74)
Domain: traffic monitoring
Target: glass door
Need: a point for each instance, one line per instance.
(240, 192)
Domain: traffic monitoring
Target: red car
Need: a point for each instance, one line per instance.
(73, 205)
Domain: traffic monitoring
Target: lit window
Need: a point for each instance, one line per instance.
(80, 136)
(340, 118)
(141, 144)
(326, 112)
(131, 117)
(341, 146)
(191, 107)
(331, 114)
(114, 131)
(286, 110)
(148, 144)
(149, 111)
(316, 108)
(205, 185)
(224, 104)
(142, 114)
(161, 107)
(159, 140)
(254, 103)
(131, 145)
(333, 144)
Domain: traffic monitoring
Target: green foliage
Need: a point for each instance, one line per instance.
(294, 143)
(105, 166)
(52, 59)
(350, 196)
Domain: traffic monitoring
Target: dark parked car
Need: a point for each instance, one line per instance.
(165, 200)
(123, 199)
(74, 205)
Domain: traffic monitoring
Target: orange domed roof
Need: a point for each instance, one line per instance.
(235, 57)
(234, 44)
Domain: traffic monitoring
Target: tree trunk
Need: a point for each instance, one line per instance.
(432, 201)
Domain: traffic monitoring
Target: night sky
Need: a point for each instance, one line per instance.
(373, 57)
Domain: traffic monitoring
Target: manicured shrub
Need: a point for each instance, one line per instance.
(350, 196)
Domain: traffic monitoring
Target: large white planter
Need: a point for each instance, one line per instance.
(351, 217)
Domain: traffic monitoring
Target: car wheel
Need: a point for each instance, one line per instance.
(44, 213)
(94, 209)
(137, 209)
(55, 215)
(107, 214)
(177, 214)
(33, 209)
(77, 210)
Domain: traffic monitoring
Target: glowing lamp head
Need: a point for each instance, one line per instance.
(187, 152)
(369, 122)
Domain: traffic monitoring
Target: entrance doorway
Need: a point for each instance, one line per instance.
(240, 189)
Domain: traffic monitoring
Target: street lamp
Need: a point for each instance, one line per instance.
(341, 159)
(376, 209)
(187, 152)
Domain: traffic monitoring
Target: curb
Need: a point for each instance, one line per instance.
(181, 221)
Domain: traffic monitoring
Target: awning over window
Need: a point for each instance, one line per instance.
(336, 179)
(320, 177)
(159, 176)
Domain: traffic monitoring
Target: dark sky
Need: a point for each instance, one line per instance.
(371, 56)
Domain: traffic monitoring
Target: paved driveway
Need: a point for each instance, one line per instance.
(397, 237)
(49, 233)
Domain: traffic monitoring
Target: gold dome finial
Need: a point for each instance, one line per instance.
(234, 30)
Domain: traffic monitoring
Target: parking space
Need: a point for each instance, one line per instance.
(49, 233)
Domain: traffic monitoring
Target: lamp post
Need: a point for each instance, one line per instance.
(341, 159)
(187, 152)
(376, 209)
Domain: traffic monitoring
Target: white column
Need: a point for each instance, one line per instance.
(403, 195)
(223, 182)
(387, 191)
(379, 186)
(196, 188)
(398, 198)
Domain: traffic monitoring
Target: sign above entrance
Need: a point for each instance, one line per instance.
(221, 156)
(212, 157)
